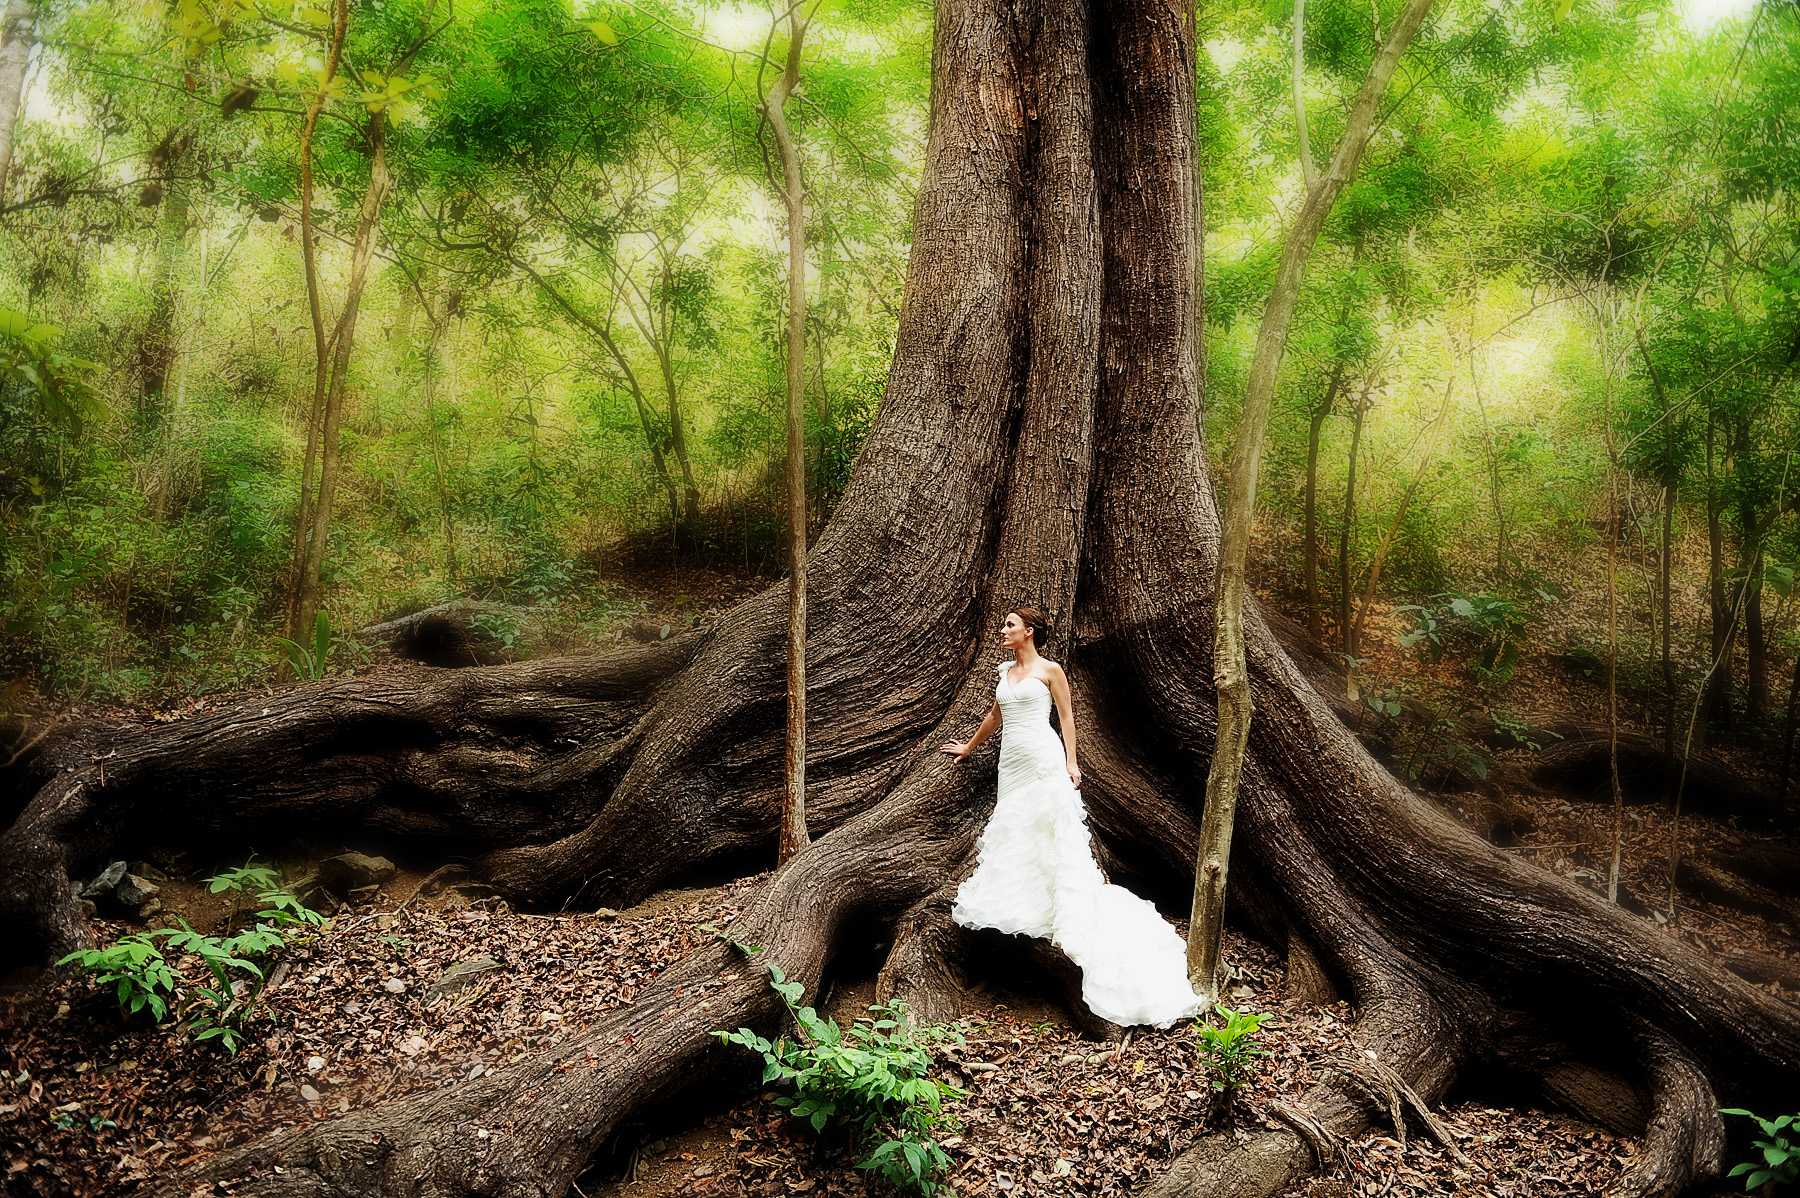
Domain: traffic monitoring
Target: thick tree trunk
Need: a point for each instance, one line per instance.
(1037, 441)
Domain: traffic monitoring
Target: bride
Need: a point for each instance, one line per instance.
(1035, 872)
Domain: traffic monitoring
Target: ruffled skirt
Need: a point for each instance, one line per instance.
(1035, 875)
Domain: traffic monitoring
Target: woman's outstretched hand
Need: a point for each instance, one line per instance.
(956, 748)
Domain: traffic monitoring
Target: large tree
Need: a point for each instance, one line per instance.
(1037, 442)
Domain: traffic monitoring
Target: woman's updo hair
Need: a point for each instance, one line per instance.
(1036, 621)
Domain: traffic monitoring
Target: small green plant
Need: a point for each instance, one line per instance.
(70, 1121)
(216, 1005)
(870, 1079)
(1518, 731)
(1780, 1163)
(1426, 630)
(502, 626)
(280, 906)
(134, 966)
(1387, 703)
(1230, 1050)
(309, 661)
(1492, 627)
(217, 1012)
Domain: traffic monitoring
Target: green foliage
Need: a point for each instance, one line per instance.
(309, 661)
(70, 1121)
(1780, 1163)
(47, 399)
(34, 362)
(217, 1004)
(1489, 627)
(1230, 1049)
(134, 966)
(870, 1079)
(503, 626)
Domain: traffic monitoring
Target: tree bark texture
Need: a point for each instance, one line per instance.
(1037, 442)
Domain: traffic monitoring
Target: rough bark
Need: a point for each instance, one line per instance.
(1038, 442)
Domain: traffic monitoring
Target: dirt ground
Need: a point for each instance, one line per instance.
(91, 1104)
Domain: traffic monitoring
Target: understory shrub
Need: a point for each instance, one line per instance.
(870, 1079)
(1778, 1165)
(212, 982)
(1230, 1051)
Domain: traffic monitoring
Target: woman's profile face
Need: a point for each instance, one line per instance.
(1014, 632)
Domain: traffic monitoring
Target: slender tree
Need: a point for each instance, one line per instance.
(790, 185)
(1206, 926)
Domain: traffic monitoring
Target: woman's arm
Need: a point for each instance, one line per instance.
(989, 722)
(1065, 712)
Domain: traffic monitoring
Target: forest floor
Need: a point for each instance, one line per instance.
(91, 1105)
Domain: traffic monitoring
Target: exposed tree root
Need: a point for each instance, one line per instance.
(1578, 764)
(924, 966)
(529, 1130)
(1685, 1138)
(1394, 1037)
(445, 761)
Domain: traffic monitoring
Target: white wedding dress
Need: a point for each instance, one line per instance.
(1035, 875)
